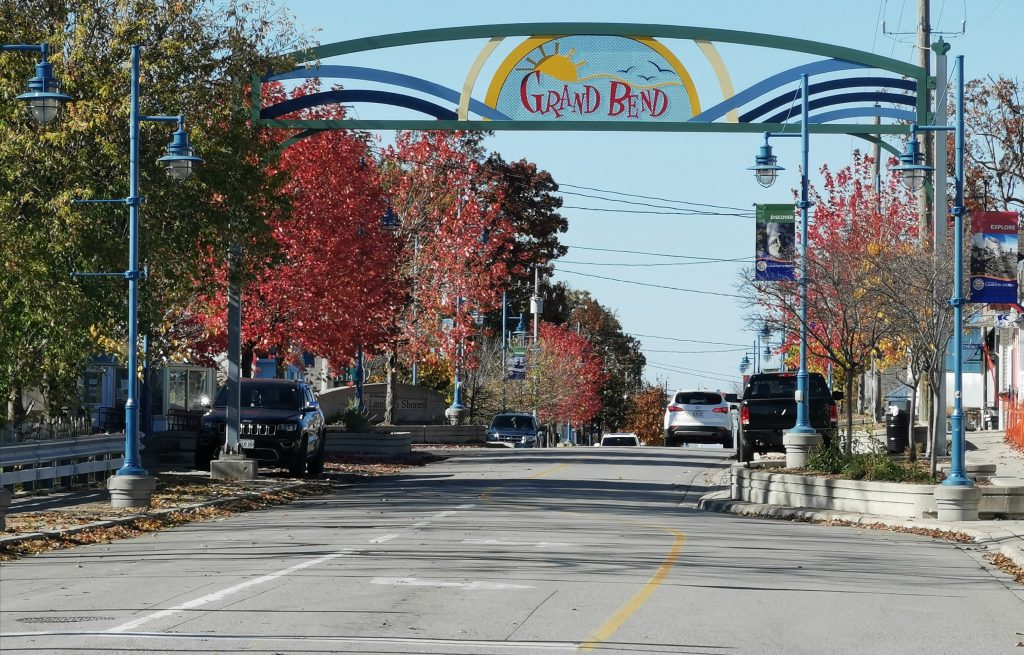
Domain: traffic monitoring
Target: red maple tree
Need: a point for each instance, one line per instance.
(568, 374)
(331, 283)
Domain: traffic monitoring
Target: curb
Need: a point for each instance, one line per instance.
(124, 520)
(993, 540)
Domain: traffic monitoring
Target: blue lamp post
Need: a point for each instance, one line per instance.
(130, 486)
(766, 171)
(43, 97)
(913, 172)
(457, 409)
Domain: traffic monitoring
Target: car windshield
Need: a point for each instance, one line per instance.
(698, 398)
(619, 441)
(509, 422)
(265, 396)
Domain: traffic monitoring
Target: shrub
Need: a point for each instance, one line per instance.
(353, 419)
(830, 459)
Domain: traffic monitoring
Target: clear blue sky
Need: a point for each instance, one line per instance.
(695, 168)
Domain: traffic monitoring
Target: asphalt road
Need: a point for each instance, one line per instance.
(502, 551)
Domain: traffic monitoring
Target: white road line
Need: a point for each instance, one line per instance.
(380, 540)
(519, 544)
(441, 515)
(479, 645)
(420, 582)
(467, 506)
(421, 524)
(223, 593)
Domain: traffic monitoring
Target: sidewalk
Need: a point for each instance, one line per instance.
(1005, 537)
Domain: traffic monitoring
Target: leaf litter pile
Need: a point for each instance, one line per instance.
(182, 498)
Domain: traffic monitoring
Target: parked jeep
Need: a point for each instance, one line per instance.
(281, 425)
(768, 409)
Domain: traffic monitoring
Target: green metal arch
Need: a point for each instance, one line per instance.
(612, 29)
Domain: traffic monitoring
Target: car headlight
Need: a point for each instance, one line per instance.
(287, 427)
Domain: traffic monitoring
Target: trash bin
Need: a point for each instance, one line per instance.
(897, 422)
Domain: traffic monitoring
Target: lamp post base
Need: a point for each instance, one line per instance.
(957, 503)
(799, 446)
(130, 490)
(233, 467)
(454, 414)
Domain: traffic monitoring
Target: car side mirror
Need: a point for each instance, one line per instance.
(838, 395)
(731, 398)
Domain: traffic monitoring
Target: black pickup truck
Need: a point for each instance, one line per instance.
(768, 409)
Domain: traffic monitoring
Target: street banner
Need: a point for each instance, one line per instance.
(775, 237)
(516, 364)
(993, 257)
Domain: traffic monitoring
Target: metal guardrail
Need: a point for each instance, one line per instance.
(33, 463)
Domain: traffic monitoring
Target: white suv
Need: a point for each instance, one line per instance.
(698, 417)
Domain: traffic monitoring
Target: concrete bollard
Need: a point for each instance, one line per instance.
(957, 503)
(131, 490)
(798, 447)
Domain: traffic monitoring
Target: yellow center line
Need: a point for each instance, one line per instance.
(639, 598)
(609, 627)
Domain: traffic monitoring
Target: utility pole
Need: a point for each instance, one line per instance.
(536, 307)
(923, 55)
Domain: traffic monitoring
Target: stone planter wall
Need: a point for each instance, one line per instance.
(442, 434)
(364, 443)
(755, 485)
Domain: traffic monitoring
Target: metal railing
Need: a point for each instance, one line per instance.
(52, 464)
(45, 429)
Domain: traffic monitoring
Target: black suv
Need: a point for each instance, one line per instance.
(281, 425)
(768, 409)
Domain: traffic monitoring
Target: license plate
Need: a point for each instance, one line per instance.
(247, 443)
(696, 412)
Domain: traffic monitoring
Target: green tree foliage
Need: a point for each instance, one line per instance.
(195, 57)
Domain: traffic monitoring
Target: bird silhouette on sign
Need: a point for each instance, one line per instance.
(660, 69)
(626, 71)
(647, 77)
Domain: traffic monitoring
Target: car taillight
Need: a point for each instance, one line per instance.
(745, 415)
(720, 410)
(833, 413)
(675, 408)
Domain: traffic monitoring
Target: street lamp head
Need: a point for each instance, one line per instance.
(766, 331)
(766, 168)
(179, 159)
(911, 167)
(767, 352)
(44, 98)
(744, 364)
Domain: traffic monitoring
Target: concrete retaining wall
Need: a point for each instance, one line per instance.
(884, 498)
(361, 443)
(446, 434)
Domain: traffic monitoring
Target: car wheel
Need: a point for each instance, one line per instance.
(298, 465)
(745, 453)
(316, 465)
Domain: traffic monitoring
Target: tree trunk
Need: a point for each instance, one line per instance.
(912, 453)
(392, 388)
(938, 431)
(849, 410)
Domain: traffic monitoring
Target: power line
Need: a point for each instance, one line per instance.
(652, 212)
(693, 352)
(652, 254)
(706, 261)
(647, 284)
(696, 370)
(713, 343)
(634, 195)
(693, 212)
